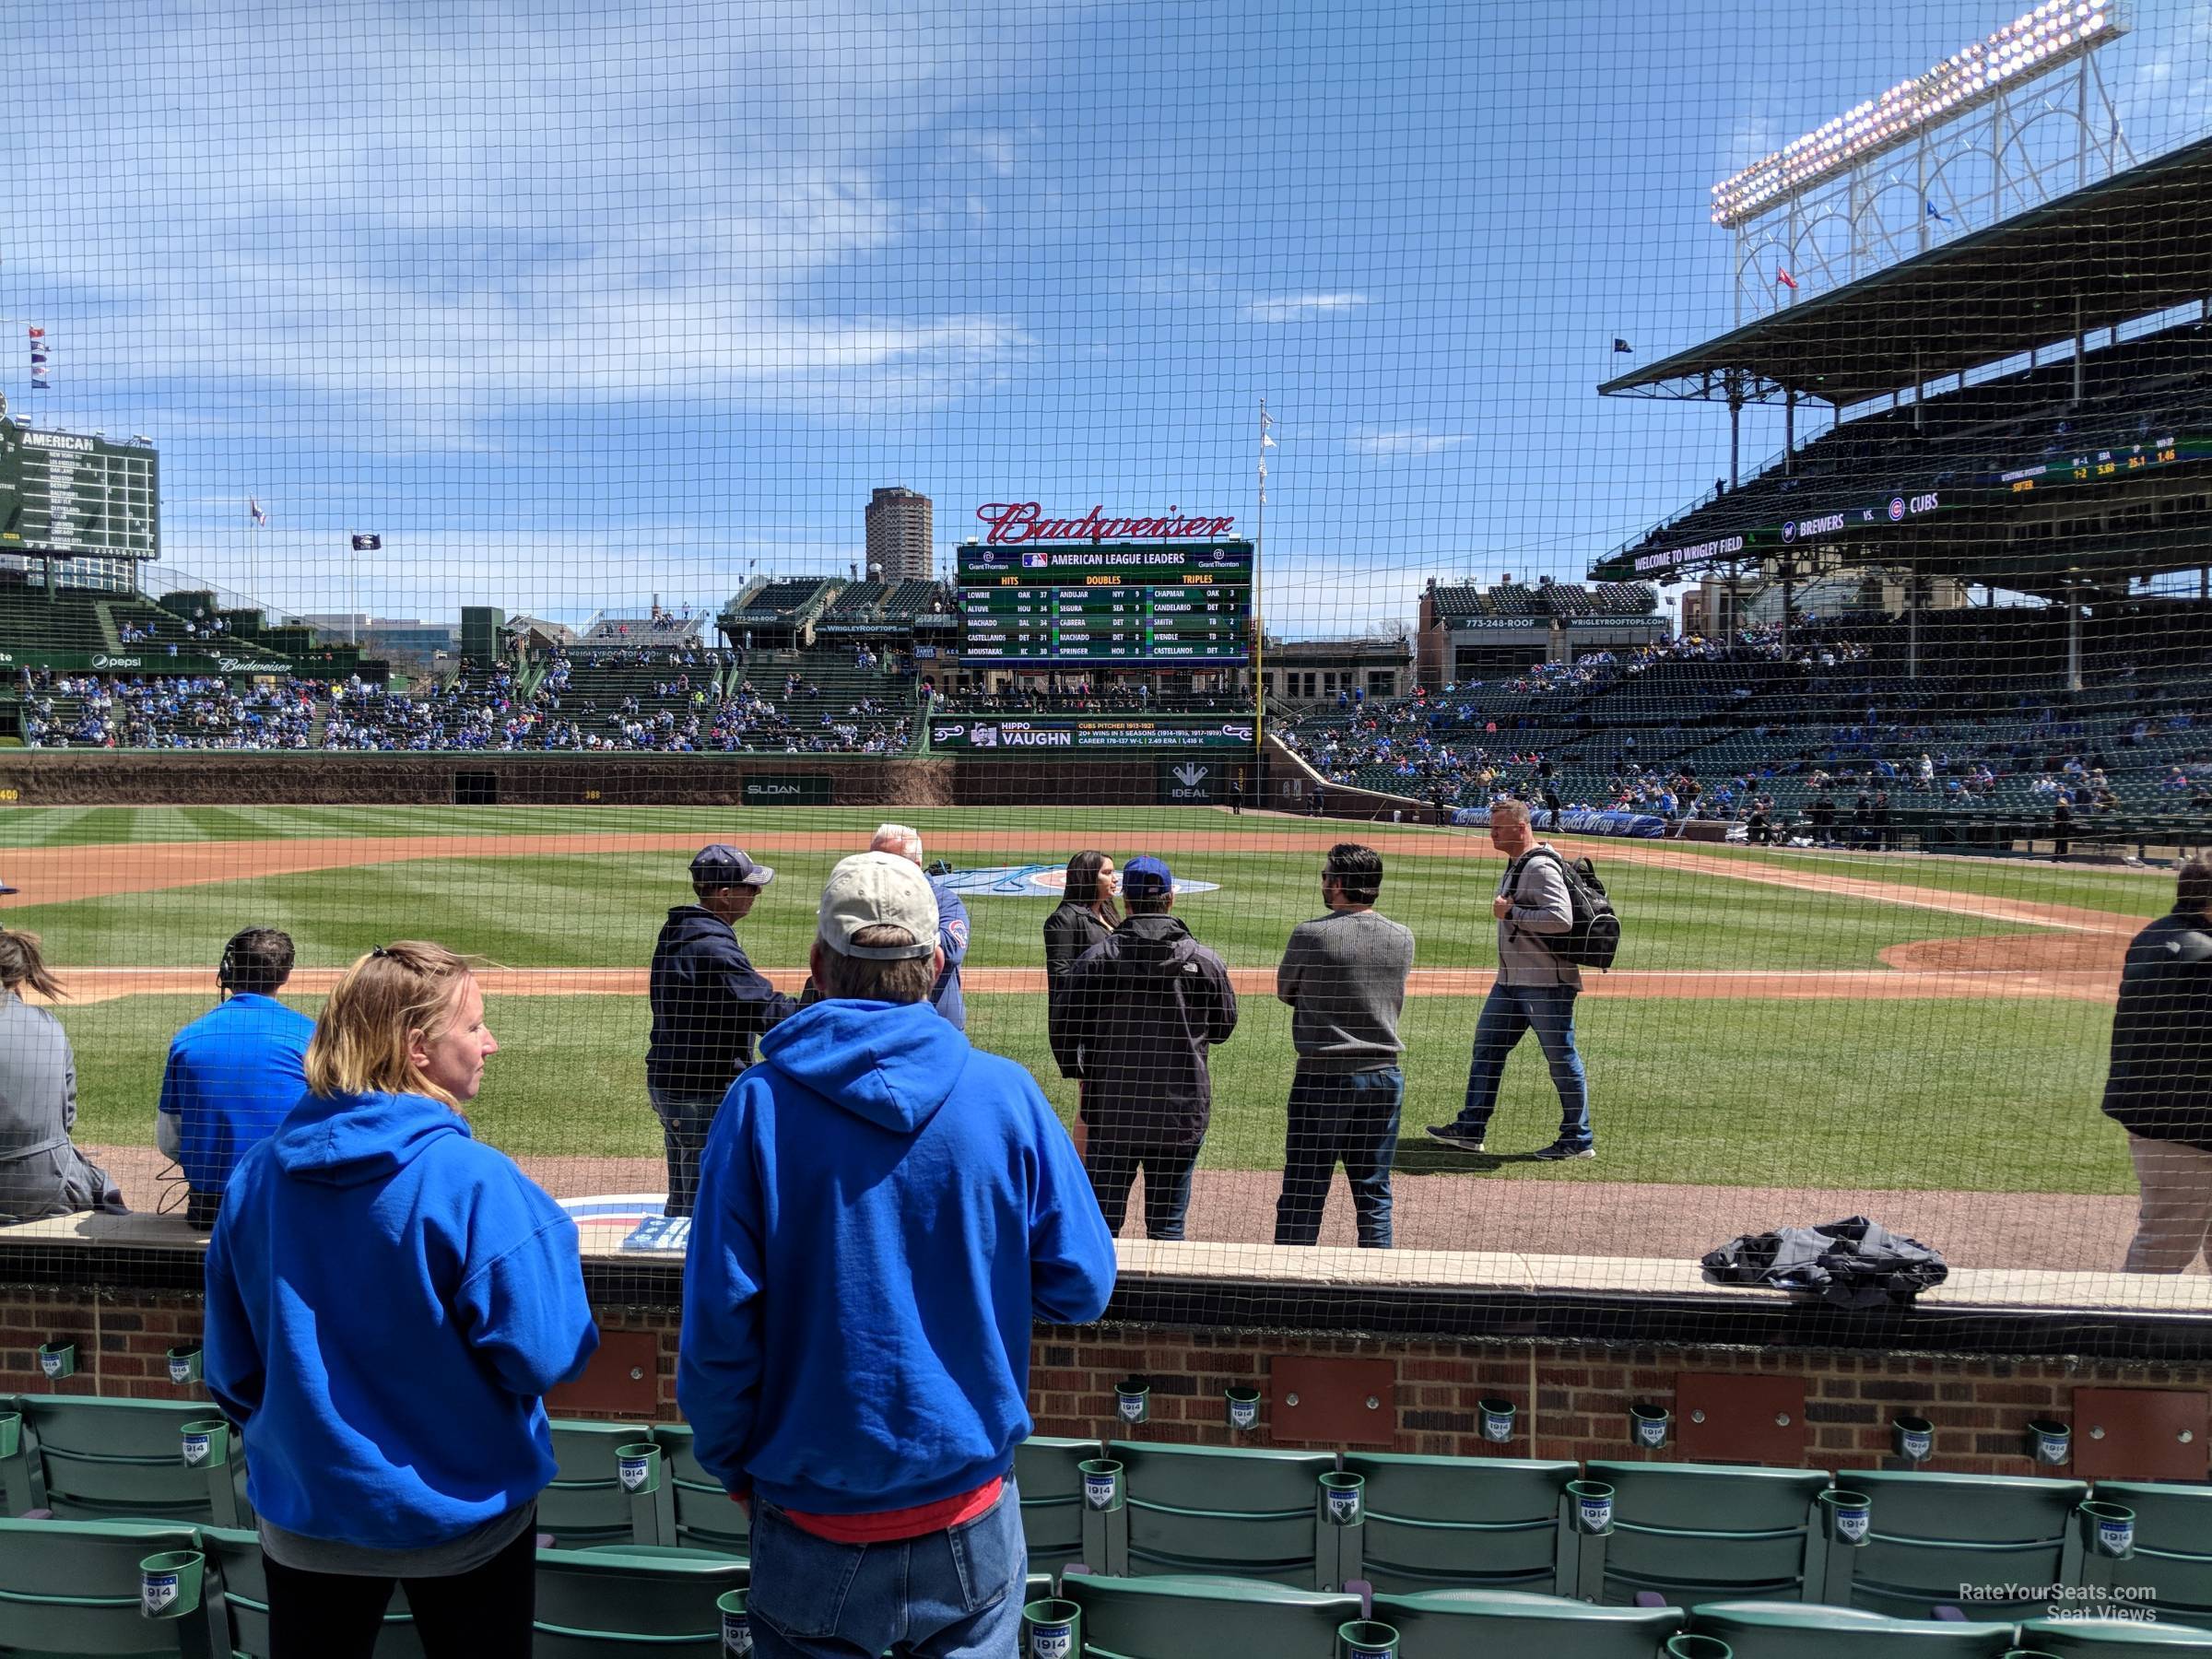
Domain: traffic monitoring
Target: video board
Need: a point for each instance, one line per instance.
(1134, 604)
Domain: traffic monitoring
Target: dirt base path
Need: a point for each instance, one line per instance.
(1567, 1216)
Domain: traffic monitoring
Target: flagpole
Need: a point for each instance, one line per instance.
(1259, 609)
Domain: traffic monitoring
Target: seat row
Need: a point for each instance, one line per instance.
(1192, 1618)
(1901, 1543)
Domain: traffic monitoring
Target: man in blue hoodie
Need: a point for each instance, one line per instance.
(234, 1071)
(710, 1004)
(883, 1212)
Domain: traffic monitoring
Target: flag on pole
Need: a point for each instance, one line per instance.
(1786, 280)
(1938, 218)
(1621, 345)
(368, 544)
(42, 364)
(255, 512)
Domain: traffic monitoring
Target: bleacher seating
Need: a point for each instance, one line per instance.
(1224, 1555)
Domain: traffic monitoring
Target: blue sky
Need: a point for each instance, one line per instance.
(578, 304)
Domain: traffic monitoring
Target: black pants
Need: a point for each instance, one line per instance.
(481, 1614)
(1113, 1164)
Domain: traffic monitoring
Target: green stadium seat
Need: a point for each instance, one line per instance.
(706, 1518)
(1691, 1533)
(237, 1599)
(2118, 1638)
(1933, 1532)
(1050, 1484)
(93, 1459)
(2173, 1563)
(1249, 1513)
(1473, 1624)
(1198, 1618)
(1472, 1523)
(592, 1602)
(586, 1504)
(1784, 1631)
(71, 1587)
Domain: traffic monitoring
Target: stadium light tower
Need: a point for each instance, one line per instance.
(1983, 135)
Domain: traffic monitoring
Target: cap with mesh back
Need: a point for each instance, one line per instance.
(871, 890)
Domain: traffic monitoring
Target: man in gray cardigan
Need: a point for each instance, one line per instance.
(1535, 989)
(1344, 976)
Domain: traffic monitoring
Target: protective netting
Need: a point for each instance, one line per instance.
(463, 463)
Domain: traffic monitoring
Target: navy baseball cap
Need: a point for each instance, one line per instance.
(1147, 877)
(719, 866)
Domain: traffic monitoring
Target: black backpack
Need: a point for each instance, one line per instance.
(1595, 938)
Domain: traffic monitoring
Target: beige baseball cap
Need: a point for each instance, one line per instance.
(870, 890)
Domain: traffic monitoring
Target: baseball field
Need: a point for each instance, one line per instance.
(1916, 1037)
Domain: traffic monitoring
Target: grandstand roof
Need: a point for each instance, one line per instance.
(2135, 243)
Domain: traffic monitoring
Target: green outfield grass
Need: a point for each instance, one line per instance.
(2144, 893)
(602, 909)
(1978, 1096)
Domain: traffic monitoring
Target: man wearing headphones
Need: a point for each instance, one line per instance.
(234, 1071)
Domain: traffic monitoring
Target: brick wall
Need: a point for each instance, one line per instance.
(1573, 1399)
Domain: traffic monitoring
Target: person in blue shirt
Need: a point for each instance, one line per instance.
(952, 922)
(388, 1300)
(234, 1071)
(884, 1213)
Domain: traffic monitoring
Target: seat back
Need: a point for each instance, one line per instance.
(1194, 1617)
(1693, 1533)
(238, 1596)
(1470, 1523)
(1784, 1630)
(2171, 1568)
(611, 1601)
(1474, 1624)
(1221, 1510)
(585, 1505)
(1047, 1474)
(119, 1459)
(72, 1587)
(706, 1518)
(1933, 1533)
(2113, 1638)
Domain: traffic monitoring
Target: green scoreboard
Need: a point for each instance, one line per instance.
(75, 495)
(1133, 603)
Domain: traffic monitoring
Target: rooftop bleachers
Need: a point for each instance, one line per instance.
(787, 598)
(856, 600)
(913, 597)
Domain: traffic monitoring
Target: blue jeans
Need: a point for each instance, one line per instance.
(684, 1120)
(1510, 1011)
(1346, 1116)
(949, 1594)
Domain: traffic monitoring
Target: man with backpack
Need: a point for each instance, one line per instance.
(1536, 988)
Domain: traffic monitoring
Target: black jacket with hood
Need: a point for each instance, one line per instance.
(2161, 1083)
(710, 1004)
(1133, 1020)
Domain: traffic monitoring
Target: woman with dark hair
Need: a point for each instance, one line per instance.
(1087, 913)
(41, 1172)
(388, 1300)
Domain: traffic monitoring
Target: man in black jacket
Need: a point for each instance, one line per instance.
(708, 1004)
(2159, 1088)
(1133, 1021)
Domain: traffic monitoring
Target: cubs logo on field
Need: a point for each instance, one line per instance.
(632, 1222)
(1034, 881)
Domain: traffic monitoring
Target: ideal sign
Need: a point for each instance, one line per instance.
(1013, 522)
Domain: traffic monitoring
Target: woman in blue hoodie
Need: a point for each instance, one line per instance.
(387, 1300)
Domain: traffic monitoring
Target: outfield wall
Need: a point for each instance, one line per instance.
(1372, 1350)
(323, 778)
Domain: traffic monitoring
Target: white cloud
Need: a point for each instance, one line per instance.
(1295, 308)
(1404, 441)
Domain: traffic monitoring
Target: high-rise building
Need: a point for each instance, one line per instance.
(901, 534)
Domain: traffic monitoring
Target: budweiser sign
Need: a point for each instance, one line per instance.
(1025, 522)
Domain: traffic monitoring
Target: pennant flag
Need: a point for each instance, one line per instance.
(1786, 280)
(1621, 345)
(42, 366)
(368, 544)
(1939, 217)
(1268, 443)
(255, 512)
(37, 334)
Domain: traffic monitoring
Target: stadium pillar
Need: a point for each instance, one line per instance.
(1911, 625)
(1789, 431)
(1735, 428)
(2079, 345)
(2072, 638)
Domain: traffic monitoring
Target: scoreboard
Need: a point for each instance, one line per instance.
(1135, 603)
(74, 495)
